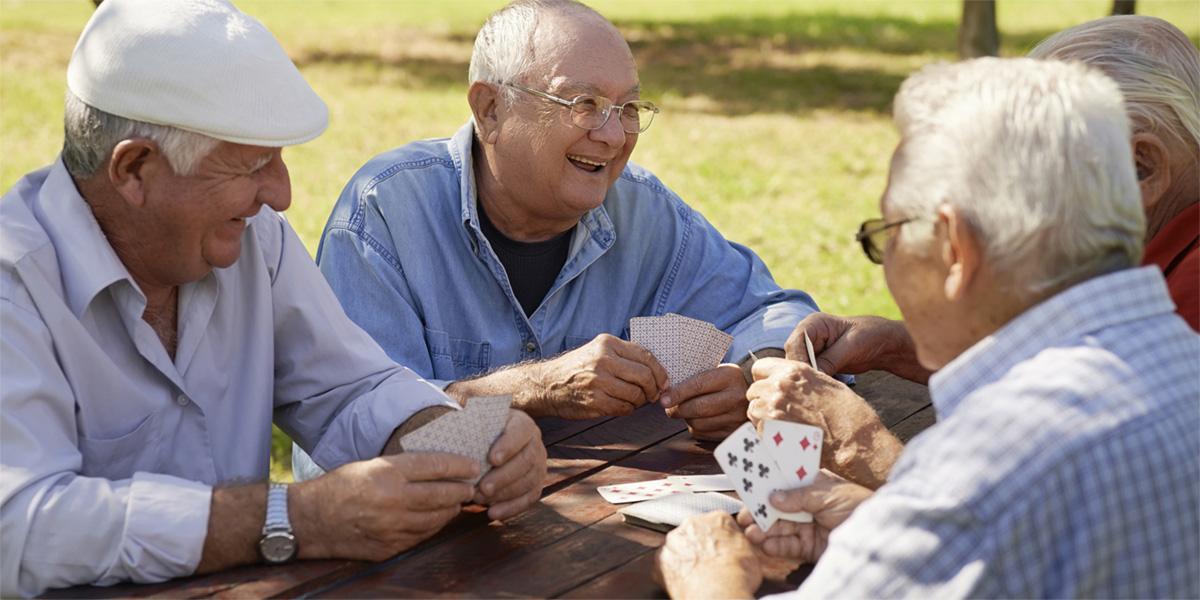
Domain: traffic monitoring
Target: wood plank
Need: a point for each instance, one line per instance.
(634, 579)
(615, 439)
(555, 430)
(491, 561)
(916, 423)
(894, 398)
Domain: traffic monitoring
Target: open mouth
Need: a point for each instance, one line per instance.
(586, 164)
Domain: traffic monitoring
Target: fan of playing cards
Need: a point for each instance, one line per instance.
(787, 456)
(683, 346)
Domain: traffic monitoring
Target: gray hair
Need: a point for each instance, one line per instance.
(504, 47)
(90, 135)
(1034, 154)
(1154, 63)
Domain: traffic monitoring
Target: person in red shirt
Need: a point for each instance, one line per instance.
(1158, 70)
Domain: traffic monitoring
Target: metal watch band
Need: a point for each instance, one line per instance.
(277, 513)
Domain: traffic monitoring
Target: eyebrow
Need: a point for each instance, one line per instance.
(587, 88)
(262, 162)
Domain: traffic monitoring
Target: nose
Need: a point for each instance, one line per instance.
(276, 188)
(611, 133)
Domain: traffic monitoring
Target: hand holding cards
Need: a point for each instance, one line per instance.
(468, 432)
(788, 456)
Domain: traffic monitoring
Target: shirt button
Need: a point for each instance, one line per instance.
(530, 346)
(182, 400)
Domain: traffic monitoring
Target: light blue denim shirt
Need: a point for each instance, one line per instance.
(404, 252)
(109, 446)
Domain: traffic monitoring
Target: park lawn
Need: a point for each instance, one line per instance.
(775, 118)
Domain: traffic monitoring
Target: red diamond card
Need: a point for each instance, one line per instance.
(796, 448)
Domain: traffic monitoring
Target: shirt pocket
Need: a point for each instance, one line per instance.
(121, 457)
(454, 358)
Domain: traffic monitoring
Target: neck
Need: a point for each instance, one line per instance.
(510, 216)
(114, 218)
(1174, 202)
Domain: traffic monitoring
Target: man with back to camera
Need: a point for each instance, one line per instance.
(1067, 449)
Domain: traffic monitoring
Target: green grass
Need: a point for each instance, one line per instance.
(775, 121)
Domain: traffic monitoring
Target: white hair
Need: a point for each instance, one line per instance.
(90, 135)
(1154, 63)
(1034, 154)
(504, 47)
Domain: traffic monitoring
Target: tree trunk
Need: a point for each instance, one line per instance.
(977, 34)
(1123, 7)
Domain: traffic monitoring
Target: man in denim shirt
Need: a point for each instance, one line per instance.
(509, 258)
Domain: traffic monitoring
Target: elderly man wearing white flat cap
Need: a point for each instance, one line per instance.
(157, 314)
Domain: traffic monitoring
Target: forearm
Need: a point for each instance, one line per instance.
(415, 422)
(235, 523)
(867, 449)
(900, 354)
(525, 382)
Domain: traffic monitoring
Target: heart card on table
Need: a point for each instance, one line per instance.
(638, 491)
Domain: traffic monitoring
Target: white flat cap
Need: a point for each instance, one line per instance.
(198, 65)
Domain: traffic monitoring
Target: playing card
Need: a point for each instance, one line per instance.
(796, 448)
(642, 490)
(705, 483)
(469, 432)
(684, 346)
(664, 514)
(751, 470)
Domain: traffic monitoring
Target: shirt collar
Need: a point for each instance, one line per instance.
(86, 259)
(596, 221)
(1175, 238)
(1100, 302)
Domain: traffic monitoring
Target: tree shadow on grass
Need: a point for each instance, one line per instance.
(732, 65)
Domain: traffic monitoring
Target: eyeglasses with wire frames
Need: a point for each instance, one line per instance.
(592, 112)
(873, 234)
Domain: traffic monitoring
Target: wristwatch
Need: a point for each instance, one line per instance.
(277, 545)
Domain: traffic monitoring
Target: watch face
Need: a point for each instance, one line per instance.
(277, 547)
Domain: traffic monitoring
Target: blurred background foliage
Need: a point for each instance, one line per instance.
(775, 118)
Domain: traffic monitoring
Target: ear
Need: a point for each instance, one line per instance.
(484, 99)
(961, 252)
(131, 162)
(1153, 166)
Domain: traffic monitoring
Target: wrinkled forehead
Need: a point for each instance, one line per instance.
(583, 54)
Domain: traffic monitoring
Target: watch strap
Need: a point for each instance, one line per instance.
(277, 509)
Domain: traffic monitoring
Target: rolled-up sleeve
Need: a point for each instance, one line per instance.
(336, 392)
(58, 528)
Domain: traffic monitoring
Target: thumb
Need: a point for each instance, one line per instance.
(811, 498)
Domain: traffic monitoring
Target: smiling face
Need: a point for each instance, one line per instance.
(192, 224)
(542, 168)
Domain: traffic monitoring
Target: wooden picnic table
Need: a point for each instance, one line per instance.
(572, 544)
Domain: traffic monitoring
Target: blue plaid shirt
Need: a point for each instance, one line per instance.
(1065, 463)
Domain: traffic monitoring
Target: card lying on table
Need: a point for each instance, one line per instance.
(704, 483)
(787, 457)
(638, 491)
(469, 432)
(664, 514)
(684, 346)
